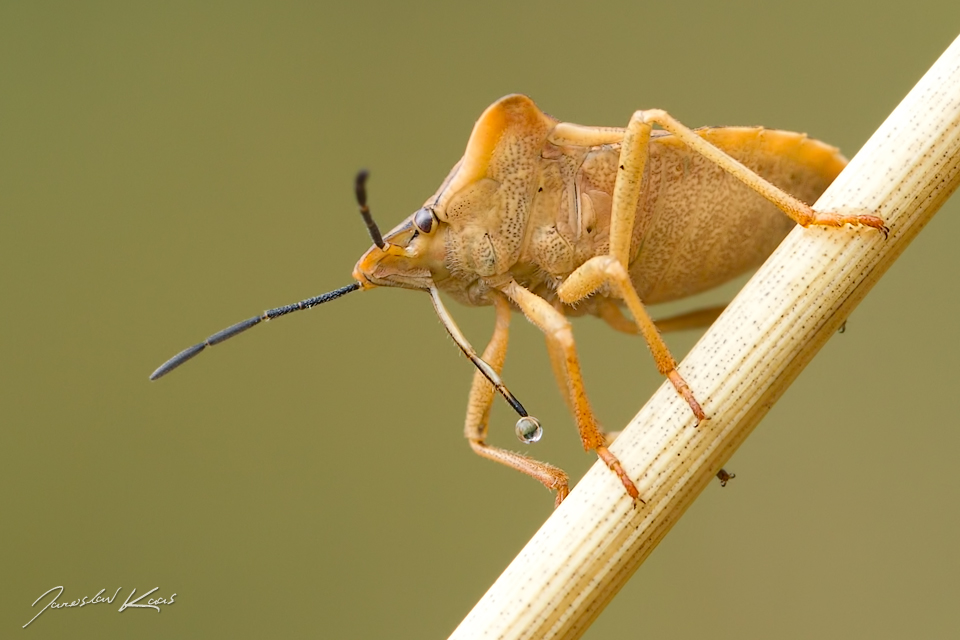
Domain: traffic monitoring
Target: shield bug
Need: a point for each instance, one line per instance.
(555, 219)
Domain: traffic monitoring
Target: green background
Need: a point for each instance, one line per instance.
(168, 170)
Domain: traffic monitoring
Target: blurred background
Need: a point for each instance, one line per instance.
(169, 169)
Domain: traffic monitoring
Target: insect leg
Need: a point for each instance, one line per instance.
(611, 314)
(568, 133)
(478, 413)
(557, 329)
(611, 270)
(691, 319)
(601, 270)
(800, 212)
(555, 351)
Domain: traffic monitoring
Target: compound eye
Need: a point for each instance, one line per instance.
(424, 220)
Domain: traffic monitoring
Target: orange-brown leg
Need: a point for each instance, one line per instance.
(607, 270)
(557, 364)
(611, 314)
(802, 213)
(478, 413)
(611, 270)
(639, 130)
(691, 319)
(609, 273)
(556, 361)
(556, 328)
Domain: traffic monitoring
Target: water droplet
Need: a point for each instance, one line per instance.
(529, 429)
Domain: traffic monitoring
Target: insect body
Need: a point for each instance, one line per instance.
(556, 219)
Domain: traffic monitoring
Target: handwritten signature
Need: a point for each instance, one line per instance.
(152, 603)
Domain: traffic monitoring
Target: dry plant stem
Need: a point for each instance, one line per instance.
(597, 538)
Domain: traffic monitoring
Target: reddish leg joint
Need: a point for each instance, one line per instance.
(614, 465)
(684, 390)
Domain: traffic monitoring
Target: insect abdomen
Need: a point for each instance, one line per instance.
(697, 226)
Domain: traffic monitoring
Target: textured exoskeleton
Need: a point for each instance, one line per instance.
(556, 219)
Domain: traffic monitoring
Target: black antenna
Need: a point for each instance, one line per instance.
(240, 327)
(361, 186)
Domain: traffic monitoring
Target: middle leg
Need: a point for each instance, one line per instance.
(563, 355)
(610, 271)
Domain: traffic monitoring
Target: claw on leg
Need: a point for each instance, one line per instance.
(684, 390)
(614, 465)
(548, 475)
(833, 219)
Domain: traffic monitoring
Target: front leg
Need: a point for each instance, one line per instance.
(556, 328)
(478, 413)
